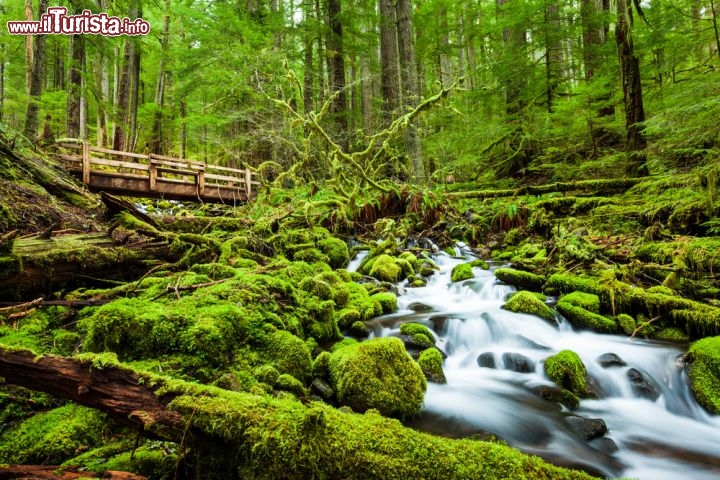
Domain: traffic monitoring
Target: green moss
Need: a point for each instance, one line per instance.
(539, 296)
(320, 366)
(378, 374)
(520, 278)
(267, 374)
(310, 255)
(626, 323)
(289, 354)
(567, 370)
(413, 329)
(153, 459)
(10, 266)
(671, 334)
(430, 362)
(461, 272)
(387, 300)
(704, 372)
(581, 318)
(385, 269)
(53, 436)
(411, 258)
(480, 263)
(526, 302)
(336, 250)
(290, 384)
(588, 301)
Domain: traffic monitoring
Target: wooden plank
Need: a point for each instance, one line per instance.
(186, 165)
(118, 163)
(200, 179)
(175, 159)
(70, 158)
(225, 169)
(85, 163)
(153, 177)
(116, 152)
(248, 182)
(213, 176)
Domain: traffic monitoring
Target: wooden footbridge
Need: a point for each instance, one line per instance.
(157, 176)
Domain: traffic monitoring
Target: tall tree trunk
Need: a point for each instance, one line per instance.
(367, 95)
(630, 76)
(445, 68)
(122, 86)
(591, 34)
(553, 53)
(156, 140)
(2, 81)
(389, 58)
(308, 92)
(28, 48)
(59, 70)
(183, 128)
(336, 67)
(514, 60)
(320, 54)
(714, 13)
(36, 82)
(409, 79)
(77, 61)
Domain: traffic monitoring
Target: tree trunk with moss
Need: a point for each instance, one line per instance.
(630, 75)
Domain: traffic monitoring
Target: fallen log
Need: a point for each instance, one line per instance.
(241, 435)
(49, 472)
(602, 186)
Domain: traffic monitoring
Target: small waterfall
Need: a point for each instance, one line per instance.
(656, 430)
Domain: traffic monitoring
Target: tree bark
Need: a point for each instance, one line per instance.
(389, 59)
(410, 94)
(630, 76)
(36, 81)
(156, 141)
(553, 53)
(77, 62)
(336, 68)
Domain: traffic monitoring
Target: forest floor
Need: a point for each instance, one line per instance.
(230, 340)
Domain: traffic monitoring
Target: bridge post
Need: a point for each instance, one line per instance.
(86, 163)
(248, 183)
(200, 179)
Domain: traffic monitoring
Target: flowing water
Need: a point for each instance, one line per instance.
(666, 438)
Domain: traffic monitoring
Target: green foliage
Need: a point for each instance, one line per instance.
(567, 370)
(626, 323)
(387, 300)
(289, 354)
(527, 302)
(413, 329)
(378, 374)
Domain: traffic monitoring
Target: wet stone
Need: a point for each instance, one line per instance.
(486, 360)
(607, 360)
(641, 385)
(518, 362)
(419, 307)
(527, 343)
(322, 388)
(587, 428)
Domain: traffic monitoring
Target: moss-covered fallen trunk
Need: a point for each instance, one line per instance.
(268, 437)
(597, 186)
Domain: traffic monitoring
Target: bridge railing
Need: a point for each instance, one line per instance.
(152, 166)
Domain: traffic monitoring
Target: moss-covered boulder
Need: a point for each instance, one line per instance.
(588, 301)
(419, 333)
(520, 278)
(581, 318)
(289, 354)
(527, 302)
(461, 272)
(385, 269)
(704, 372)
(626, 323)
(51, 437)
(378, 374)
(336, 250)
(568, 371)
(387, 300)
(430, 362)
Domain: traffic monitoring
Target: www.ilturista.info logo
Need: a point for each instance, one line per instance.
(57, 22)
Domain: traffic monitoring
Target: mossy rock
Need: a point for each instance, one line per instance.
(288, 383)
(538, 295)
(289, 354)
(526, 302)
(581, 318)
(378, 374)
(520, 278)
(588, 301)
(51, 437)
(387, 300)
(480, 263)
(336, 251)
(385, 269)
(704, 373)
(568, 371)
(671, 334)
(626, 323)
(413, 329)
(430, 362)
(462, 272)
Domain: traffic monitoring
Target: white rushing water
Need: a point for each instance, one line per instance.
(668, 438)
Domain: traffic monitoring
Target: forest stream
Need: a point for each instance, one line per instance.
(669, 437)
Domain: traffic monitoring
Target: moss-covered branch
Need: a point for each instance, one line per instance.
(602, 185)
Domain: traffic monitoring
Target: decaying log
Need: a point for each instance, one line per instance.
(49, 472)
(116, 391)
(116, 205)
(601, 186)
